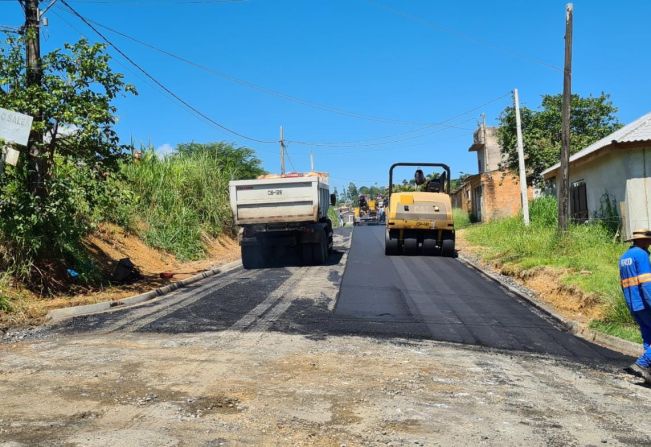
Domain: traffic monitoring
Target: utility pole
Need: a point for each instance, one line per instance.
(523, 172)
(311, 161)
(282, 151)
(34, 78)
(564, 187)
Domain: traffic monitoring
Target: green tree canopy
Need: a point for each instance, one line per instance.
(79, 153)
(592, 118)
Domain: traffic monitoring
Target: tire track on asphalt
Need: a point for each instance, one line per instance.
(139, 318)
(265, 309)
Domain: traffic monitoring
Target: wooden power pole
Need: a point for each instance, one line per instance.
(564, 186)
(34, 78)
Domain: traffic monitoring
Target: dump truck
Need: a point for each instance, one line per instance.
(420, 222)
(283, 215)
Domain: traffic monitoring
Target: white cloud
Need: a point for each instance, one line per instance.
(165, 149)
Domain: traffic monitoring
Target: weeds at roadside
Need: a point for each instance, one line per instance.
(587, 252)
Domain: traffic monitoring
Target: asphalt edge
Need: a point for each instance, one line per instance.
(65, 313)
(344, 260)
(579, 329)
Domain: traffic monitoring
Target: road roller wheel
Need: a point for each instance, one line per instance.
(410, 246)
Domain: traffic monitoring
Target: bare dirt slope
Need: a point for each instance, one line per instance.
(108, 245)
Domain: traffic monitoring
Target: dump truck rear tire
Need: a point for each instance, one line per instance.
(319, 252)
(447, 248)
(410, 246)
(252, 257)
(306, 254)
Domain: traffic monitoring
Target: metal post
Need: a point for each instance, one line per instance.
(564, 187)
(311, 161)
(523, 173)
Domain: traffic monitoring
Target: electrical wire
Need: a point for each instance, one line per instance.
(160, 84)
(262, 89)
(390, 139)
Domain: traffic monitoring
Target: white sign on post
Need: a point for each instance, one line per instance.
(15, 127)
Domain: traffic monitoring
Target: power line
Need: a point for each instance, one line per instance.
(257, 87)
(359, 143)
(467, 37)
(160, 84)
(378, 141)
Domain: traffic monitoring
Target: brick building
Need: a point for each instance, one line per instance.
(494, 192)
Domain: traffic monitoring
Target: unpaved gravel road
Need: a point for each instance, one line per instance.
(262, 358)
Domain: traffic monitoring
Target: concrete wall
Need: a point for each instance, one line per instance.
(486, 144)
(492, 150)
(624, 174)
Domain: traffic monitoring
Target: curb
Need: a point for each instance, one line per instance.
(65, 313)
(579, 329)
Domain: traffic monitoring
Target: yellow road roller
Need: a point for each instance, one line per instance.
(420, 222)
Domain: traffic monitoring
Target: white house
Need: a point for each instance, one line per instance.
(615, 170)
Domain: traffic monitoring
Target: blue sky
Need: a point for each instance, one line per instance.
(389, 68)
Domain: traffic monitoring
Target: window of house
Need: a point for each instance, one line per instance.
(579, 202)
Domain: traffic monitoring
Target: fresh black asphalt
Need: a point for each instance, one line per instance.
(383, 297)
(443, 299)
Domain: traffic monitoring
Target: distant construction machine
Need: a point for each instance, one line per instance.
(367, 211)
(421, 221)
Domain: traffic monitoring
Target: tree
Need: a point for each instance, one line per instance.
(80, 149)
(352, 194)
(592, 118)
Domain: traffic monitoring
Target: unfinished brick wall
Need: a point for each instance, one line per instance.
(500, 195)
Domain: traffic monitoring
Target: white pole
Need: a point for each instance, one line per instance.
(523, 173)
(311, 162)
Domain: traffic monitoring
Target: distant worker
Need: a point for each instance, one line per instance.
(635, 273)
(341, 219)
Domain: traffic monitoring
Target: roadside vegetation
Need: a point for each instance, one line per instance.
(181, 199)
(78, 181)
(584, 261)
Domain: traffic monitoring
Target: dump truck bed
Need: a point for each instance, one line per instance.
(279, 200)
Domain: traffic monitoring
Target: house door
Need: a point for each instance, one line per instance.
(477, 203)
(579, 203)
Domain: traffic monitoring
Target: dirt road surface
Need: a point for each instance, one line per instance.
(280, 357)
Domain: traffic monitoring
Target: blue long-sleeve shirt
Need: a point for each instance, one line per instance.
(635, 273)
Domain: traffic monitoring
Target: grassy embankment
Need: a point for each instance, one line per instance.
(181, 201)
(584, 262)
(177, 204)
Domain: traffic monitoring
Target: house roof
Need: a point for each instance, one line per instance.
(636, 132)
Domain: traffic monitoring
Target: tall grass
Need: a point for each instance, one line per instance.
(587, 251)
(461, 218)
(184, 196)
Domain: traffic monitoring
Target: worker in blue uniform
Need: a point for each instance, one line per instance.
(635, 274)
